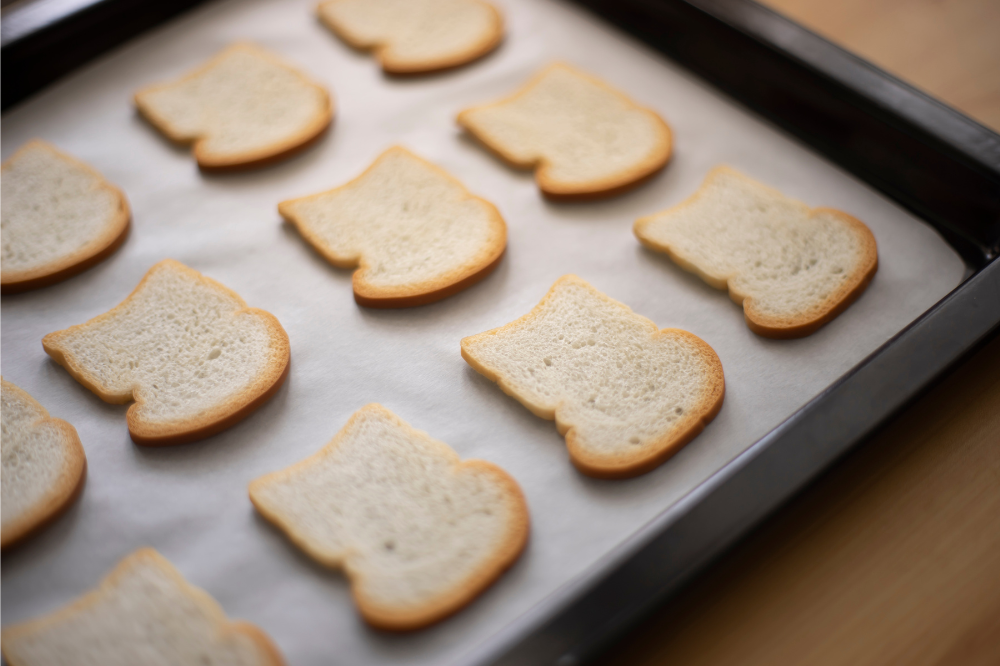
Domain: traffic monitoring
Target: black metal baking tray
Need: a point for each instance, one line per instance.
(931, 159)
(928, 157)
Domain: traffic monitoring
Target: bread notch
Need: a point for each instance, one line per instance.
(419, 532)
(143, 612)
(583, 138)
(626, 395)
(60, 217)
(414, 233)
(43, 469)
(793, 268)
(416, 36)
(192, 355)
(243, 108)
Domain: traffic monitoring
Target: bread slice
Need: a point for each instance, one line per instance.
(793, 268)
(416, 36)
(626, 395)
(243, 108)
(143, 612)
(419, 532)
(583, 138)
(59, 217)
(415, 233)
(43, 469)
(192, 355)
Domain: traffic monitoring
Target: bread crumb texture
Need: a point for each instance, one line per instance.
(582, 137)
(245, 107)
(59, 217)
(189, 351)
(625, 394)
(416, 36)
(793, 268)
(419, 532)
(143, 612)
(43, 465)
(415, 233)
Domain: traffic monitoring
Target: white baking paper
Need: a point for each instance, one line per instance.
(190, 502)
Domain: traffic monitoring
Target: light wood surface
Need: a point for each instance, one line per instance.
(893, 557)
(948, 48)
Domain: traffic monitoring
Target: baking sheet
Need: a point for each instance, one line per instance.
(190, 502)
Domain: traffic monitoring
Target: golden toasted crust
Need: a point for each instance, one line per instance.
(631, 462)
(432, 296)
(92, 253)
(758, 322)
(419, 293)
(401, 67)
(653, 456)
(107, 586)
(250, 159)
(71, 480)
(222, 416)
(449, 602)
(512, 544)
(583, 191)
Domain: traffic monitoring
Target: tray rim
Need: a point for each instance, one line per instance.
(582, 616)
(580, 619)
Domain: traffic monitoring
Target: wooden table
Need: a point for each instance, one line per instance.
(893, 556)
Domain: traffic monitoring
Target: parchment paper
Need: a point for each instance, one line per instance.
(190, 502)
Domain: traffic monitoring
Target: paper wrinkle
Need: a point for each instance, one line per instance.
(190, 502)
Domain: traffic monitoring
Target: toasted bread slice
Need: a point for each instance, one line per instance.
(419, 532)
(626, 395)
(60, 217)
(583, 138)
(192, 355)
(243, 108)
(793, 268)
(44, 466)
(416, 36)
(143, 612)
(414, 233)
